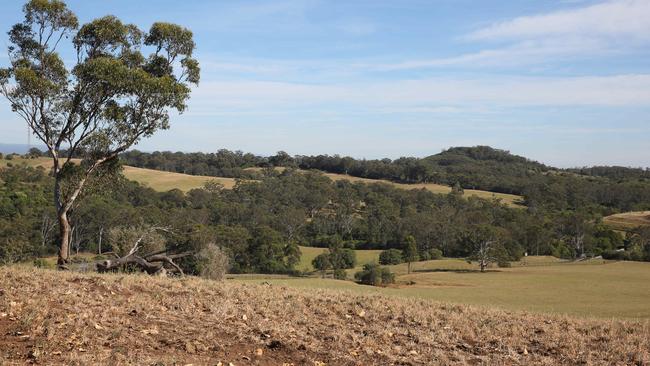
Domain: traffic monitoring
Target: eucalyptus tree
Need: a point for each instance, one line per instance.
(121, 87)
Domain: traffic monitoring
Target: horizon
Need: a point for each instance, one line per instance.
(24, 148)
(565, 83)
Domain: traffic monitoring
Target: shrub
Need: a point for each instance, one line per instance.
(616, 255)
(435, 253)
(504, 264)
(375, 275)
(342, 258)
(42, 263)
(340, 274)
(212, 262)
(391, 256)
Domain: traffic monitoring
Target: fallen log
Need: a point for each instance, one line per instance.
(157, 263)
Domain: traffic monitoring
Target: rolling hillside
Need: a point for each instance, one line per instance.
(164, 181)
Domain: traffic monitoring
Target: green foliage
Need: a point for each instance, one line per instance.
(375, 275)
(322, 262)
(410, 249)
(340, 274)
(390, 257)
(42, 263)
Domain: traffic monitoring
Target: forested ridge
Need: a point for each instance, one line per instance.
(261, 223)
(603, 189)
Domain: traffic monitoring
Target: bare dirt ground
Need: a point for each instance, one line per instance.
(54, 318)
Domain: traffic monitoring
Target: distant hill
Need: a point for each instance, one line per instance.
(483, 167)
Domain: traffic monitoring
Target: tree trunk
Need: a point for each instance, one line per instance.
(483, 265)
(101, 232)
(64, 245)
(409, 270)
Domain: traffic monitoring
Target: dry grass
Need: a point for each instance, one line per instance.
(164, 181)
(69, 318)
(628, 220)
(156, 179)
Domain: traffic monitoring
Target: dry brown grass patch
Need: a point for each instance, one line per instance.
(75, 318)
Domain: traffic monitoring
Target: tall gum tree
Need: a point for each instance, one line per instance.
(121, 88)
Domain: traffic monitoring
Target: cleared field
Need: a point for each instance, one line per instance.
(164, 181)
(509, 199)
(156, 179)
(62, 318)
(587, 289)
(628, 220)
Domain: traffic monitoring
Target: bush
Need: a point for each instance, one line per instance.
(42, 263)
(504, 264)
(616, 255)
(340, 274)
(375, 275)
(391, 256)
(342, 258)
(435, 253)
(212, 262)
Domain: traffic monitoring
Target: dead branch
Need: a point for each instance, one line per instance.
(152, 263)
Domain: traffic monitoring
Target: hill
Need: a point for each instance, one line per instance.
(118, 319)
(163, 181)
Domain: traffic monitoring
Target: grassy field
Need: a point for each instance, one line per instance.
(510, 199)
(66, 318)
(586, 289)
(156, 179)
(165, 181)
(628, 220)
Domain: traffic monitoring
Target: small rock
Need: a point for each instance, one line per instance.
(33, 354)
(244, 317)
(275, 344)
(259, 352)
(246, 358)
(362, 313)
(525, 351)
(413, 352)
(98, 327)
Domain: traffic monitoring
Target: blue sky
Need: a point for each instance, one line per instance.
(563, 82)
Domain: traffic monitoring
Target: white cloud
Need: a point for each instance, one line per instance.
(521, 53)
(622, 18)
(498, 91)
(618, 27)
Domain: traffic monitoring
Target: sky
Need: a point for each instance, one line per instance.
(564, 82)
